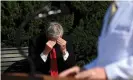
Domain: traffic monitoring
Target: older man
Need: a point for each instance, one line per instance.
(51, 51)
(115, 47)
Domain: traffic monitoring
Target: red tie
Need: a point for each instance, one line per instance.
(53, 69)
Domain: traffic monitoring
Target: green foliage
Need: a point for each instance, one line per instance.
(85, 33)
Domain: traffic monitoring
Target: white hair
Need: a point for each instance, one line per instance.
(54, 30)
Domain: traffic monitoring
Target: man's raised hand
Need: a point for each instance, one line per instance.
(62, 44)
(49, 46)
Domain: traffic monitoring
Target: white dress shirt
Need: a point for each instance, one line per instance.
(115, 46)
(44, 57)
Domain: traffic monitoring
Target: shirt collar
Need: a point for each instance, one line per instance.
(123, 3)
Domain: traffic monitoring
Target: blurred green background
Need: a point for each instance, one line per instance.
(83, 23)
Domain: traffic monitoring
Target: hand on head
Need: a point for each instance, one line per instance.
(49, 46)
(51, 42)
(62, 44)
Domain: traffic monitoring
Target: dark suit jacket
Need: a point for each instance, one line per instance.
(36, 47)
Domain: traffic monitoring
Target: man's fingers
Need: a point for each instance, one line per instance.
(84, 75)
(51, 43)
(61, 40)
(70, 71)
(59, 43)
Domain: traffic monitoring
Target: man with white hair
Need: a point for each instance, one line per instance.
(115, 47)
(51, 51)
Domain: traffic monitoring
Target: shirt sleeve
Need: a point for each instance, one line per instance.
(121, 70)
(43, 56)
(91, 64)
(66, 55)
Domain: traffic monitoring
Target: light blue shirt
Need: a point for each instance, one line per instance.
(115, 44)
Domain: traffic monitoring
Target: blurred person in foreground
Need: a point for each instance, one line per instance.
(115, 47)
(51, 51)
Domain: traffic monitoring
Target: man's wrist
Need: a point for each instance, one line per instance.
(47, 50)
(64, 52)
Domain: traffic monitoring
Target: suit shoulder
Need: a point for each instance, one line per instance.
(41, 38)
